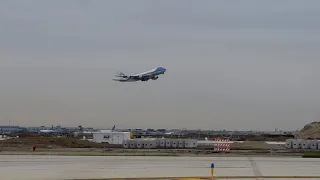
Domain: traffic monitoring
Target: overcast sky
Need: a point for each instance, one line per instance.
(230, 64)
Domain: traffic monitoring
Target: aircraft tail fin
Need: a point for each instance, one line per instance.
(120, 74)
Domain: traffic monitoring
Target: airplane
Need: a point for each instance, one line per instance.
(145, 76)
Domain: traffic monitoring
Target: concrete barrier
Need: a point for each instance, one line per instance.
(297, 144)
(314, 144)
(289, 143)
(305, 144)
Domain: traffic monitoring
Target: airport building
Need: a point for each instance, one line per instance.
(302, 144)
(110, 137)
(11, 129)
(152, 143)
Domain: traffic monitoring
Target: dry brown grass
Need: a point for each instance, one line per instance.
(50, 142)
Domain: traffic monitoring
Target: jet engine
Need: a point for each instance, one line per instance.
(155, 78)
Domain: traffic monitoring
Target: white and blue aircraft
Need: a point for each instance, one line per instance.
(145, 76)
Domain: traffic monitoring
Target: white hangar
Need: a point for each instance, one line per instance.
(110, 137)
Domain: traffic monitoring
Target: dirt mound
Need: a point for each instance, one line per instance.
(310, 131)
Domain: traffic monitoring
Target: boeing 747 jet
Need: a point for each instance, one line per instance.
(145, 76)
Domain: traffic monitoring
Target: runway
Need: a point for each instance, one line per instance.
(22, 167)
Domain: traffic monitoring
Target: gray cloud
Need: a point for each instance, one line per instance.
(232, 65)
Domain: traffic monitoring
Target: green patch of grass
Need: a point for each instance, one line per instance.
(311, 155)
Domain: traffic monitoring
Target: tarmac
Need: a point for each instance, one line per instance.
(24, 167)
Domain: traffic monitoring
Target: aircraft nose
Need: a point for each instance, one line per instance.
(164, 70)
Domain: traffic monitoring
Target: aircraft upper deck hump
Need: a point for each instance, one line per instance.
(161, 69)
